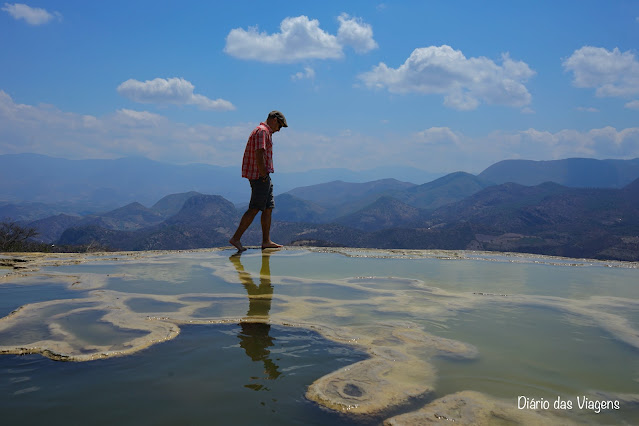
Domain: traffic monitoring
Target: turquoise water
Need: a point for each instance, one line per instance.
(271, 323)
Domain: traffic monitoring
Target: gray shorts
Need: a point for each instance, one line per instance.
(261, 194)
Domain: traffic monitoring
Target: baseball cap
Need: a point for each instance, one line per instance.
(279, 116)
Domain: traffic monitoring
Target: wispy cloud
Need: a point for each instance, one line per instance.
(606, 142)
(307, 74)
(176, 91)
(300, 39)
(45, 129)
(632, 105)
(587, 109)
(31, 15)
(464, 82)
(132, 118)
(438, 135)
(611, 72)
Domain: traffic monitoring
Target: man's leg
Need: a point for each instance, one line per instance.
(245, 222)
(266, 230)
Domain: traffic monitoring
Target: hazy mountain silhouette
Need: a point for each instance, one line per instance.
(546, 219)
(385, 212)
(445, 190)
(101, 185)
(456, 211)
(171, 204)
(107, 184)
(133, 216)
(203, 221)
(293, 209)
(335, 193)
(50, 229)
(29, 211)
(130, 217)
(551, 219)
(358, 204)
(573, 172)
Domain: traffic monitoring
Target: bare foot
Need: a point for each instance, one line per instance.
(237, 244)
(271, 244)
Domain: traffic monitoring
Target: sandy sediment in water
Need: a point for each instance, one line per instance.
(398, 372)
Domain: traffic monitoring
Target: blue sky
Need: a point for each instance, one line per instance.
(440, 86)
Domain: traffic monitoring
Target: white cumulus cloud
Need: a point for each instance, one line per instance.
(355, 33)
(464, 82)
(611, 72)
(31, 15)
(299, 39)
(170, 91)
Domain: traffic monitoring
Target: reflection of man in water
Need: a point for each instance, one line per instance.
(254, 337)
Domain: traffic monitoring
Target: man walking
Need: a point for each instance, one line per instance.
(257, 165)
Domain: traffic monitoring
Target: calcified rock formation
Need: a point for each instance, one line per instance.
(394, 374)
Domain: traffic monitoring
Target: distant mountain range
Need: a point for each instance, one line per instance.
(546, 219)
(203, 221)
(597, 219)
(338, 198)
(572, 172)
(36, 186)
(90, 186)
(102, 184)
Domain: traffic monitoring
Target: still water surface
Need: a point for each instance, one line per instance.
(222, 374)
(543, 328)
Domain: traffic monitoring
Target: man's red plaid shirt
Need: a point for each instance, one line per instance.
(260, 139)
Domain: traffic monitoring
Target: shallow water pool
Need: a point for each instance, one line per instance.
(327, 336)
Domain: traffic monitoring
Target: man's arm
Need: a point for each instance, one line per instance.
(259, 158)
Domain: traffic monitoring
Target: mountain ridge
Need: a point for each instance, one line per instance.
(572, 172)
(105, 184)
(545, 219)
(455, 211)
